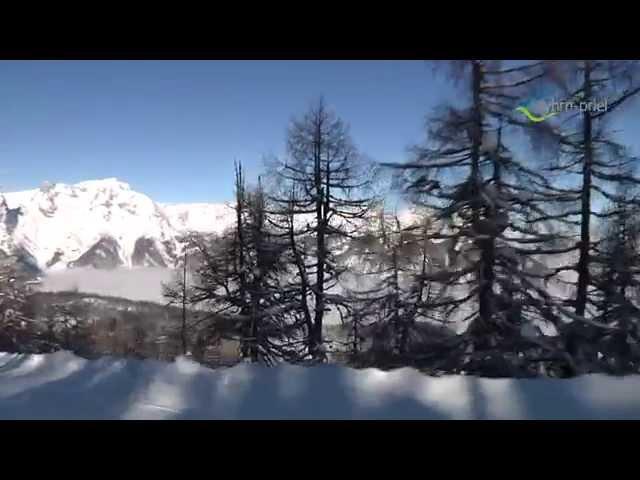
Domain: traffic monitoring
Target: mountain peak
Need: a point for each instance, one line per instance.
(108, 183)
(65, 225)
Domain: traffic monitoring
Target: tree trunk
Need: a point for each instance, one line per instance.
(253, 349)
(486, 246)
(320, 241)
(487, 277)
(183, 331)
(240, 204)
(397, 317)
(304, 283)
(585, 222)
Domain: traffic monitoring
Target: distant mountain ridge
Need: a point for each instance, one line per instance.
(102, 224)
(105, 224)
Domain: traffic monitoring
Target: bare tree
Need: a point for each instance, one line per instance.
(487, 202)
(324, 189)
(178, 293)
(239, 282)
(183, 330)
(616, 278)
(589, 152)
(18, 332)
(392, 290)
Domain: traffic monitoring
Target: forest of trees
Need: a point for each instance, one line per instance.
(514, 253)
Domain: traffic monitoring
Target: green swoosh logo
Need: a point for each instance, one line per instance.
(532, 117)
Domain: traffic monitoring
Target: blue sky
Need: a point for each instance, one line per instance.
(173, 128)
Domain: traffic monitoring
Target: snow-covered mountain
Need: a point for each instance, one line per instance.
(105, 224)
(100, 223)
(199, 217)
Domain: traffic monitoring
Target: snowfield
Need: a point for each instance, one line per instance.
(64, 386)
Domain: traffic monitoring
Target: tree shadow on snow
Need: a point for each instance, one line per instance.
(478, 401)
(262, 393)
(112, 388)
(97, 390)
(322, 393)
(588, 397)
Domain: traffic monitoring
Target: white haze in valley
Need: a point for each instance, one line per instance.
(140, 284)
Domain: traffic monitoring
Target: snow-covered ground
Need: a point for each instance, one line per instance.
(63, 386)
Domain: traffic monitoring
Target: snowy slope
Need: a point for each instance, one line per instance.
(199, 217)
(100, 223)
(63, 386)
